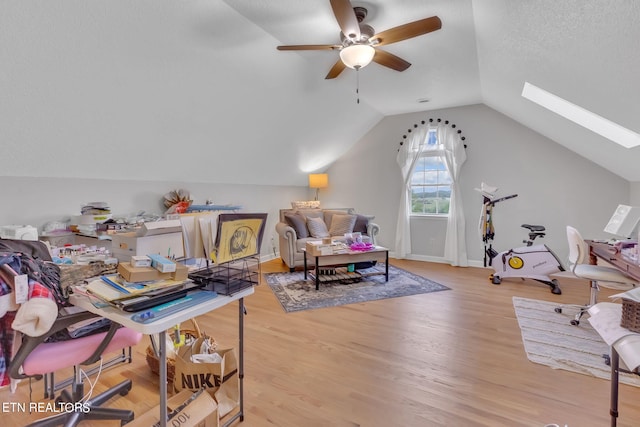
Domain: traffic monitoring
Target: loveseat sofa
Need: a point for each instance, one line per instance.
(298, 226)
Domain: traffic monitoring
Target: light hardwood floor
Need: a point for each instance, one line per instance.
(451, 358)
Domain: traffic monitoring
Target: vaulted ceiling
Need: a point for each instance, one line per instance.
(204, 78)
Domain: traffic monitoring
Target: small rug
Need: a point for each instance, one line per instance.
(550, 340)
(296, 294)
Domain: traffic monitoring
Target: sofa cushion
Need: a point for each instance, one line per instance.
(298, 223)
(341, 224)
(362, 222)
(317, 227)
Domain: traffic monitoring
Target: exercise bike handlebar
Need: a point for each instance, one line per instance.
(491, 202)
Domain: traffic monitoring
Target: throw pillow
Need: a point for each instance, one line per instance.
(329, 213)
(362, 221)
(298, 223)
(317, 227)
(306, 204)
(342, 224)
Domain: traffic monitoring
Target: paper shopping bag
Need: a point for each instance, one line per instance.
(221, 379)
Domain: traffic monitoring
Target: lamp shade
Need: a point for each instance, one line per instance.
(357, 56)
(318, 180)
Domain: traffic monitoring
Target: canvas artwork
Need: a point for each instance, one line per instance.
(239, 236)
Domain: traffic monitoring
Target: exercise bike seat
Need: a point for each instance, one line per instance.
(534, 228)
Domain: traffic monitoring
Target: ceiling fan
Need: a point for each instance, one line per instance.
(360, 43)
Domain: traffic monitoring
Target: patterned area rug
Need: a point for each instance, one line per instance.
(550, 340)
(296, 294)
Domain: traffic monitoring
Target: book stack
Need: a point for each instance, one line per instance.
(137, 288)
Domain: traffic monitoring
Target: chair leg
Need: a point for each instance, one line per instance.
(582, 309)
(94, 412)
(122, 389)
(108, 414)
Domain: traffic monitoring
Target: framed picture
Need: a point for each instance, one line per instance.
(239, 235)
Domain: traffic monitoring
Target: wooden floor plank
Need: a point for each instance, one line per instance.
(450, 358)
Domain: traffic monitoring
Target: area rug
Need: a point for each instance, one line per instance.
(296, 294)
(550, 340)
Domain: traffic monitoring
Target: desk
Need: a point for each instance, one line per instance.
(612, 255)
(160, 327)
(610, 321)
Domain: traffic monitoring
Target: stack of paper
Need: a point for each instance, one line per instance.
(605, 318)
(633, 295)
(113, 287)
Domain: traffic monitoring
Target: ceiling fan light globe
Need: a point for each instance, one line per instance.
(357, 56)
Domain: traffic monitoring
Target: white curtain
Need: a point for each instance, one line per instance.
(407, 155)
(455, 246)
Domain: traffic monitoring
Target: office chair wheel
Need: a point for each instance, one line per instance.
(496, 280)
(125, 390)
(574, 322)
(558, 310)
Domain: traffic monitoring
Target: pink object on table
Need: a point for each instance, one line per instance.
(361, 246)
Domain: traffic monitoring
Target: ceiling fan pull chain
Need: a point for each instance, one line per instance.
(358, 85)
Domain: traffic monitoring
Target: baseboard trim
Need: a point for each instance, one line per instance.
(440, 260)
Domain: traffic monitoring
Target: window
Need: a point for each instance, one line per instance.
(430, 180)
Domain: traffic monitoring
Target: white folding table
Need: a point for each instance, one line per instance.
(160, 327)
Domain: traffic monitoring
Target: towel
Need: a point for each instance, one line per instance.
(36, 316)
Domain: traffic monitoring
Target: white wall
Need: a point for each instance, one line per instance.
(634, 198)
(163, 91)
(555, 187)
(34, 201)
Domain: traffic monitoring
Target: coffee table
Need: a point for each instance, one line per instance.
(378, 253)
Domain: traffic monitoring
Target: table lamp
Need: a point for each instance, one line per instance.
(318, 181)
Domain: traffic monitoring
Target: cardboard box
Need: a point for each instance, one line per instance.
(124, 245)
(200, 412)
(140, 261)
(162, 264)
(318, 248)
(145, 274)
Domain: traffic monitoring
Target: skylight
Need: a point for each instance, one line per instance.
(585, 118)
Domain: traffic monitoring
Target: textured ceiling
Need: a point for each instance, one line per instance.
(149, 79)
(582, 50)
(444, 65)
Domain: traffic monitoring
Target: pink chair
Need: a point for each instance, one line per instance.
(37, 358)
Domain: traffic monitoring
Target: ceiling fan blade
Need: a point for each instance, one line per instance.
(390, 60)
(346, 18)
(407, 31)
(335, 71)
(309, 47)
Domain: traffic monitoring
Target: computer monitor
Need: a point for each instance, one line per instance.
(624, 221)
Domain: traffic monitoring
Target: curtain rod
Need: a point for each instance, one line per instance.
(422, 122)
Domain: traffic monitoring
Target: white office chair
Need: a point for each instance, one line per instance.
(598, 275)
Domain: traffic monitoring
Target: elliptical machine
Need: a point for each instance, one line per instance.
(535, 262)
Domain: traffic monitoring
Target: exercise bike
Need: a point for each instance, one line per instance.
(535, 262)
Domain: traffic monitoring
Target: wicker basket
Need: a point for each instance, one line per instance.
(630, 315)
(152, 359)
